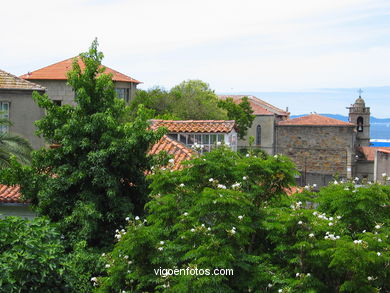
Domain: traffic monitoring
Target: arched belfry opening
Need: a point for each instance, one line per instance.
(360, 123)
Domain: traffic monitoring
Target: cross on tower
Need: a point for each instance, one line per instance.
(360, 92)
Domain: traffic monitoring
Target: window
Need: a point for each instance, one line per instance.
(4, 114)
(360, 124)
(123, 93)
(258, 135)
(57, 102)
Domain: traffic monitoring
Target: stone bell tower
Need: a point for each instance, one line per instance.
(359, 115)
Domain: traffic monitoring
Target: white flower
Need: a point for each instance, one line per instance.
(378, 254)
(160, 248)
(211, 180)
(181, 185)
(330, 224)
(315, 213)
(307, 187)
(337, 237)
(269, 285)
(326, 237)
(236, 185)
(103, 254)
(136, 218)
(185, 214)
(377, 226)
(280, 290)
(384, 174)
(221, 186)
(297, 275)
(370, 278)
(209, 229)
(314, 185)
(234, 228)
(218, 143)
(335, 182)
(357, 241)
(247, 155)
(379, 240)
(107, 265)
(192, 230)
(364, 231)
(233, 231)
(311, 235)
(275, 156)
(244, 178)
(308, 274)
(331, 219)
(356, 179)
(171, 161)
(338, 217)
(300, 223)
(94, 279)
(126, 257)
(240, 217)
(162, 242)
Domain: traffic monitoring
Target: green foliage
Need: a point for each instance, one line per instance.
(206, 216)
(241, 112)
(193, 99)
(342, 246)
(95, 178)
(31, 256)
(13, 145)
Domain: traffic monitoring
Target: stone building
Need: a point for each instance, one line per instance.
(319, 146)
(17, 105)
(263, 126)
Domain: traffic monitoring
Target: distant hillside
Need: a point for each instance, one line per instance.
(380, 127)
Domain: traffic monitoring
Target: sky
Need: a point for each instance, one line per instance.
(303, 54)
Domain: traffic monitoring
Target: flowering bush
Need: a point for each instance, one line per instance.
(205, 216)
(230, 211)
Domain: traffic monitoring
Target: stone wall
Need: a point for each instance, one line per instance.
(323, 150)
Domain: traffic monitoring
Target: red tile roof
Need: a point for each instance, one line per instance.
(59, 70)
(369, 152)
(10, 81)
(10, 194)
(315, 120)
(179, 151)
(259, 106)
(195, 126)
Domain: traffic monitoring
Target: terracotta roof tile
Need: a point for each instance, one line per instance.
(59, 70)
(369, 152)
(179, 151)
(315, 120)
(10, 194)
(10, 81)
(259, 106)
(195, 126)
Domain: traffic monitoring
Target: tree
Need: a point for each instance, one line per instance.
(95, 177)
(193, 99)
(242, 113)
(13, 145)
